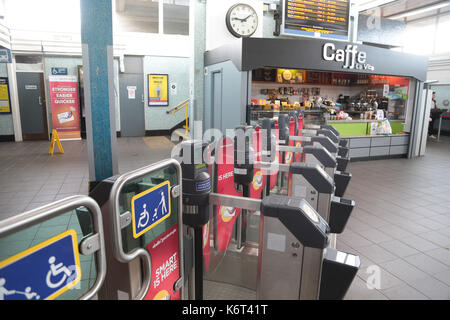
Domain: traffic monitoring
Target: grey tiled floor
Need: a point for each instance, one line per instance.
(401, 224)
(30, 177)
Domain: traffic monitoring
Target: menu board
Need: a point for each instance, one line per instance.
(316, 18)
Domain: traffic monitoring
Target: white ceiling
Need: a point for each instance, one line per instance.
(388, 8)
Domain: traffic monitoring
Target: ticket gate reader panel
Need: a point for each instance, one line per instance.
(342, 163)
(340, 212)
(53, 264)
(342, 180)
(338, 271)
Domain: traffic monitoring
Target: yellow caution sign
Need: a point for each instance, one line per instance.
(55, 137)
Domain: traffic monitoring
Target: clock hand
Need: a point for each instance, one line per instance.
(238, 19)
(247, 18)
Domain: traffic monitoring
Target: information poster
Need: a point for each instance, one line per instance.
(164, 252)
(5, 105)
(65, 108)
(158, 94)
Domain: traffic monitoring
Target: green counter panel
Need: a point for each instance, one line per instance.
(397, 127)
(349, 129)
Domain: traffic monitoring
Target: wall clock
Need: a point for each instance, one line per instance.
(241, 20)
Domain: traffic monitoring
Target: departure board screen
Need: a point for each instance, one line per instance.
(316, 18)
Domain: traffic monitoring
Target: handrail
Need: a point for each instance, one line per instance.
(179, 106)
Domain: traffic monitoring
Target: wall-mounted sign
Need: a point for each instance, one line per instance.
(173, 88)
(131, 92)
(149, 208)
(65, 108)
(5, 105)
(316, 18)
(350, 56)
(5, 56)
(59, 71)
(158, 90)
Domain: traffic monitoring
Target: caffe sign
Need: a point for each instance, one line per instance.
(350, 57)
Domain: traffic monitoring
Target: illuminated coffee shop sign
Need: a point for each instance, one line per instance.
(350, 56)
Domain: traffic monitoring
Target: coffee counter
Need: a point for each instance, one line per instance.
(364, 146)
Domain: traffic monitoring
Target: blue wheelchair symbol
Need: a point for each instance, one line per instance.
(44, 271)
(150, 207)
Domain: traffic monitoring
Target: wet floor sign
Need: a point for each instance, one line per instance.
(149, 208)
(55, 138)
(44, 271)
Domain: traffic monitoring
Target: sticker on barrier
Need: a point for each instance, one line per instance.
(149, 208)
(44, 271)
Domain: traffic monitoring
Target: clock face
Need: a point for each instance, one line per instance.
(242, 20)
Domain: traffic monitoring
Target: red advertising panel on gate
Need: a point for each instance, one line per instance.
(226, 216)
(259, 179)
(164, 252)
(289, 156)
(65, 108)
(298, 156)
(274, 173)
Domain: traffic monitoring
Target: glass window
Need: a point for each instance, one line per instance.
(136, 16)
(44, 15)
(176, 17)
(442, 36)
(420, 38)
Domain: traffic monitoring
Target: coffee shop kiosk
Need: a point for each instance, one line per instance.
(347, 82)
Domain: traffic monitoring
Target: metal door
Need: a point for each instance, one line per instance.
(32, 105)
(132, 107)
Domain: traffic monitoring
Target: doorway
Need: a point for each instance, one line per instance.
(33, 115)
(132, 103)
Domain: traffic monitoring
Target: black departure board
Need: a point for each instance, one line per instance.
(329, 18)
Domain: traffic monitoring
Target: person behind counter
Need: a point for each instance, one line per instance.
(433, 115)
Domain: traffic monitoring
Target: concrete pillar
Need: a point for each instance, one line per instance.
(98, 68)
(197, 34)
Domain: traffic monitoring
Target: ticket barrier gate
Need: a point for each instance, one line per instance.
(142, 212)
(318, 135)
(293, 238)
(340, 152)
(310, 181)
(342, 159)
(53, 252)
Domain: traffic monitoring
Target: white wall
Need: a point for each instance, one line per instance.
(439, 68)
(217, 33)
